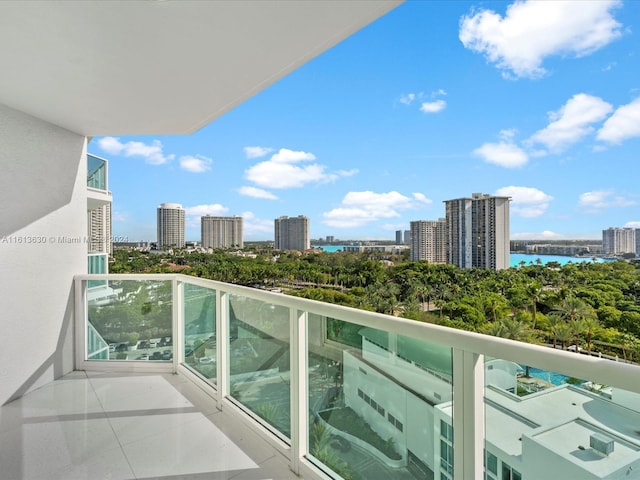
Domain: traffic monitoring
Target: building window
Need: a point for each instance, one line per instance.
(446, 431)
(509, 473)
(446, 457)
(371, 402)
(446, 450)
(395, 422)
(491, 465)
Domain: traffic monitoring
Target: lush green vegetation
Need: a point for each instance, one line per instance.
(593, 305)
(139, 311)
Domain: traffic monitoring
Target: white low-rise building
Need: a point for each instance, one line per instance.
(403, 388)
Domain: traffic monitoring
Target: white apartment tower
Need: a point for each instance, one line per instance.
(429, 240)
(478, 231)
(170, 225)
(292, 233)
(221, 232)
(99, 229)
(616, 241)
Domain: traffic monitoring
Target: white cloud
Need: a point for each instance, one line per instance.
(623, 124)
(257, 152)
(251, 225)
(545, 235)
(281, 171)
(359, 208)
(347, 173)
(439, 92)
(531, 31)
(285, 155)
(407, 99)
(280, 175)
(596, 201)
(433, 107)
(256, 193)
(214, 209)
(572, 122)
(503, 154)
(195, 164)
(420, 197)
(634, 224)
(119, 217)
(508, 134)
(110, 145)
(152, 153)
(526, 202)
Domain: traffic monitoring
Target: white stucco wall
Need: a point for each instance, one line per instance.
(42, 200)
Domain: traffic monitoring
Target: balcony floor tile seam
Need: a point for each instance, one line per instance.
(115, 433)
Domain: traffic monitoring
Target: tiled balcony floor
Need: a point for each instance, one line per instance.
(123, 426)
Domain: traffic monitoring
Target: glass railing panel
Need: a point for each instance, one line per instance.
(542, 424)
(377, 402)
(199, 331)
(97, 347)
(97, 264)
(133, 317)
(259, 361)
(96, 173)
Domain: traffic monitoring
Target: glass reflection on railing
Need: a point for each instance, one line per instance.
(199, 313)
(132, 317)
(542, 424)
(376, 400)
(259, 361)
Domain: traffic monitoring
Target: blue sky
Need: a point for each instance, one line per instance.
(437, 100)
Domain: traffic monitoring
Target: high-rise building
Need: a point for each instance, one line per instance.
(221, 232)
(398, 237)
(99, 229)
(170, 225)
(407, 237)
(478, 231)
(429, 240)
(292, 233)
(617, 241)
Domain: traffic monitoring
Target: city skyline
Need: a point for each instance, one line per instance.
(426, 104)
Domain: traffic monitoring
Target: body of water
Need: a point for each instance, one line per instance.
(515, 258)
(551, 377)
(329, 248)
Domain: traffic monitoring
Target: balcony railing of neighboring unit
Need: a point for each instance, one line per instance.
(335, 387)
(96, 173)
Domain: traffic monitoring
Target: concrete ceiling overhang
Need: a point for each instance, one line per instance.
(159, 67)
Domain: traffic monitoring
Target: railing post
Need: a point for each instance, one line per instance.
(178, 322)
(299, 396)
(80, 297)
(222, 345)
(468, 415)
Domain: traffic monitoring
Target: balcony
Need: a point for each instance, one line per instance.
(328, 391)
(98, 193)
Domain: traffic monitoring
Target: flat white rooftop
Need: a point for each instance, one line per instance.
(123, 426)
(571, 440)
